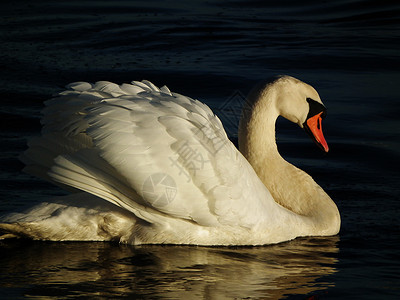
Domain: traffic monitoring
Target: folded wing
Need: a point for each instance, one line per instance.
(158, 154)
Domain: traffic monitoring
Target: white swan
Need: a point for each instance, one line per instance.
(167, 165)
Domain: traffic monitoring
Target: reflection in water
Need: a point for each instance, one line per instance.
(111, 270)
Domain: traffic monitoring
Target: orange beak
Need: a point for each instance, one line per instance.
(313, 126)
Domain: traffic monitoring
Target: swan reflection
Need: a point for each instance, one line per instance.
(111, 270)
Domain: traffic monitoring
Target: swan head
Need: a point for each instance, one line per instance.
(300, 103)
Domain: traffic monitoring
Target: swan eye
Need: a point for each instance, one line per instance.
(315, 108)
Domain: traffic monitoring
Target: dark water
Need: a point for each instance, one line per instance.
(215, 51)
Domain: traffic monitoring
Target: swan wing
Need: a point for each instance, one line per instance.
(158, 154)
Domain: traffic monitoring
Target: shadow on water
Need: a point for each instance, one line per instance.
(65, 270)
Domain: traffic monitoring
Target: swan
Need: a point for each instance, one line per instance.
(148, 166)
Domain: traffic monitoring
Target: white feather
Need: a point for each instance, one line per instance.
(163, 157)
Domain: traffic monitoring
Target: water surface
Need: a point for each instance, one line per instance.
(216, 51)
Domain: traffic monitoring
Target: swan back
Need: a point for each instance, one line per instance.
(163, 157)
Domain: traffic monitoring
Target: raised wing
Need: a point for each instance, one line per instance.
(155, 153)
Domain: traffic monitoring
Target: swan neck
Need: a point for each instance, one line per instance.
(257, 125)
(289, 186)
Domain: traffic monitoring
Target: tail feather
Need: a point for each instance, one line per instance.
(82, 217)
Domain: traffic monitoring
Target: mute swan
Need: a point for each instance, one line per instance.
(167, 166)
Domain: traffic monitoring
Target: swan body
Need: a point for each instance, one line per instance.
(145, 165)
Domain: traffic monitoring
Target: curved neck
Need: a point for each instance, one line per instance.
(257, 127)
(290, 187)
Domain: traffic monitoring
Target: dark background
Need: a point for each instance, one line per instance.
(214, 51)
